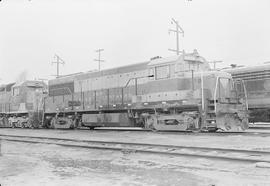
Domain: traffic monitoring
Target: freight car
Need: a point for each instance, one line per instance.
(257, 83)
(21, 104)
(175, 93)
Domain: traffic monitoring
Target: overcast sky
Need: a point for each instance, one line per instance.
(130, 31)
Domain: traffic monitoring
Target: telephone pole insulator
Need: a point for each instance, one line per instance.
(178, 30)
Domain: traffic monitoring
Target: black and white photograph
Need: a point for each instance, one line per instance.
(134, 93)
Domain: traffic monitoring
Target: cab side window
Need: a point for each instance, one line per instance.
(162, 72)
(151, 73)
(16, 91)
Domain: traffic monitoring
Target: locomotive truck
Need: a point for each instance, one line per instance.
(174, 93)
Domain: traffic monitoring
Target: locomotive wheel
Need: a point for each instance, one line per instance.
(30, 124)
(21, 125)
(76, 123)
(72, 126)
(10, 124)
(150, 122)
(4, 122)
(46, 124)
(52, 124)
(13, 125)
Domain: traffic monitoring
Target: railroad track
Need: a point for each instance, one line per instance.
(102, 129)
(260, 127)
(172, 150)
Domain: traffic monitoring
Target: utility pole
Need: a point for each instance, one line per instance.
(214, 62)
(58, 61)
(178, 30)
(99, 60)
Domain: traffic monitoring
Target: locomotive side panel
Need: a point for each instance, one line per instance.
(5, 96)
(259, 99)
(257, 82)
(97, 90)
(258, 93)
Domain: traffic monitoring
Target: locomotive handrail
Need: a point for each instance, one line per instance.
(202, 87)
(215, 94)
(136, 82)
(245, 90)
(135, 78)
(241, 81)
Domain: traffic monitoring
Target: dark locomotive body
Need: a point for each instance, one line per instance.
(257, 83)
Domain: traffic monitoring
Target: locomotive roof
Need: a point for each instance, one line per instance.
(251, 73)
(112, 71)
(30, 83)
(106, 72)
(260, 67)
(165, 60)
(6, 87)
(191, 57)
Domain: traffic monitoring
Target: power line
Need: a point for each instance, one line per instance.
(178, 30)
(58, 61)
(99, 60)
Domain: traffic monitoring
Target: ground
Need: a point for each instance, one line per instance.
(39, 164)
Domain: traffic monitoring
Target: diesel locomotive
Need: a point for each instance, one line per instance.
(21, 104)
(257, 83)
(174, 93)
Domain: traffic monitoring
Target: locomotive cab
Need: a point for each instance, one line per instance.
(199, 99)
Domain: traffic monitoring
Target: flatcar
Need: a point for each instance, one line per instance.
(21, 104)
(257, 82)
(174, 93)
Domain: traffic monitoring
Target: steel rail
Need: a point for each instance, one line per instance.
(260, 127)
(143, 144)
(149, 148)
(263, 132)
